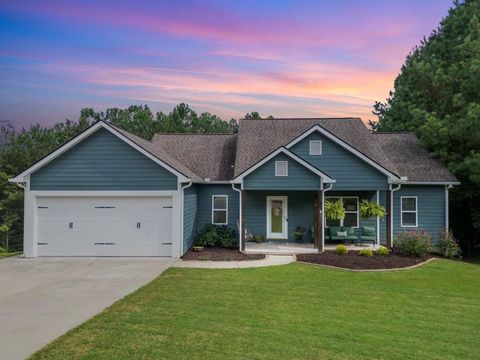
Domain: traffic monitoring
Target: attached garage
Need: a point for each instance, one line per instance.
(104, 226)
(106, 192)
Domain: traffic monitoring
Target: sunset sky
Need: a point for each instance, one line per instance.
(285, 58)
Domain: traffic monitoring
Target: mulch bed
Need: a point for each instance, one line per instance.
(354, 261)
(220, 254)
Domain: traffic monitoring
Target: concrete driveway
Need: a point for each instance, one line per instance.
(42, 298)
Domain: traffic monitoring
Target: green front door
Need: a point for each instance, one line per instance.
(277, 219)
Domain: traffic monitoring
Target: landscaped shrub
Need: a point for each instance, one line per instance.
(414, 243)
(341, 250)
(214, 235)
(259, 238)
(365, 252)
(382, 251)
(2, 250)
(448, 246)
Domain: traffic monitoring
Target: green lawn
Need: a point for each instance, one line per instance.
(288, 312)
(4, 255)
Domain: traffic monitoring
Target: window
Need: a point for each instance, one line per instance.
(219, 209)
(315, 147)
(409, 213)
(350, 204)
(281, 168)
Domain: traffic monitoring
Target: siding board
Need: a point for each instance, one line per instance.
(102, 162)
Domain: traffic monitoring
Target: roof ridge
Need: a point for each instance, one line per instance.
(229, 134)
(305, 118)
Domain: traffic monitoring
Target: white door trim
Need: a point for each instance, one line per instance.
(284, 234)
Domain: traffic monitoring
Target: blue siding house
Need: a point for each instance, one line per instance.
(107, 192)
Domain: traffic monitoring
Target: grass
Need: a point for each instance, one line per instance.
(288, 312)
(4, 255)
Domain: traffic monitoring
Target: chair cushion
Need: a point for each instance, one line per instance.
(368, 231)
(334, 229)
(350, 230)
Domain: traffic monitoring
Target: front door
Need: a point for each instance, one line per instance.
(277, 217)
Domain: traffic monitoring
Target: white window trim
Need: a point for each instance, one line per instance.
(349, 212)
(409, 211)
(226, 209)
(310, 152)
(276, 167)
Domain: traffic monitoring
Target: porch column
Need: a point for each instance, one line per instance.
(318, 221)
(389, 218)
(242, 220)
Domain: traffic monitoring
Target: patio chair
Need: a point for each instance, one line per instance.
(368, 235)
(342, 234)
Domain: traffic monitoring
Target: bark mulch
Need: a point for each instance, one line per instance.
(220, 254)
(354, 261)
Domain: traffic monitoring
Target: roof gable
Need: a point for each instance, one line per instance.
(130, 139)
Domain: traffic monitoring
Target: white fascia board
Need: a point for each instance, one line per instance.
(329, 135)
(86, 133)
(426, 182)
(105, 193)
(325, 178)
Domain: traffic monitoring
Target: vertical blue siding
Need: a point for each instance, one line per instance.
(102, 162)
(351, 172)
(299, 177)
(189, 217)
(431, 209)
(204, 204)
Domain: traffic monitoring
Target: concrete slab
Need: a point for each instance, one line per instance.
(42, 298)
(270, 260)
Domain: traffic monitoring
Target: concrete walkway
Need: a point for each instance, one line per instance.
(270, 260)
(42, 298)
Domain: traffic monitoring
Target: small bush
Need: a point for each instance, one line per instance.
(341, 250)
(2, 250)
(214, 235)
(382, 251)
(415, 243)
(259, 238)
(448, 246)
(365, 252)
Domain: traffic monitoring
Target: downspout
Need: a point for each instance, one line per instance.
(240, 216)
(182, 200)
(447, 215)
(391, 210)
(330, 186)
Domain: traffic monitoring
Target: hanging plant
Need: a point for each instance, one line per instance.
(334, 210)
(369, 209)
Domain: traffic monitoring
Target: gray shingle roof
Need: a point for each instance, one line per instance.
(208, 155)
(221, 157)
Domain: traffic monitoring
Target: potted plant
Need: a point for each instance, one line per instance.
(369, 209)
(299, 233)
(334, 210)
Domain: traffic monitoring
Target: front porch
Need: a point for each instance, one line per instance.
(291, 248)
(275, 217)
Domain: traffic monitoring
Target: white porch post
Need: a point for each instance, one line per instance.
(378, 219)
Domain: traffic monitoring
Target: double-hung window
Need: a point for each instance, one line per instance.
(219, 209)
(350, 204)
(409, 211)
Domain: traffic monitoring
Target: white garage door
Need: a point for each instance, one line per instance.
(104, 226)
